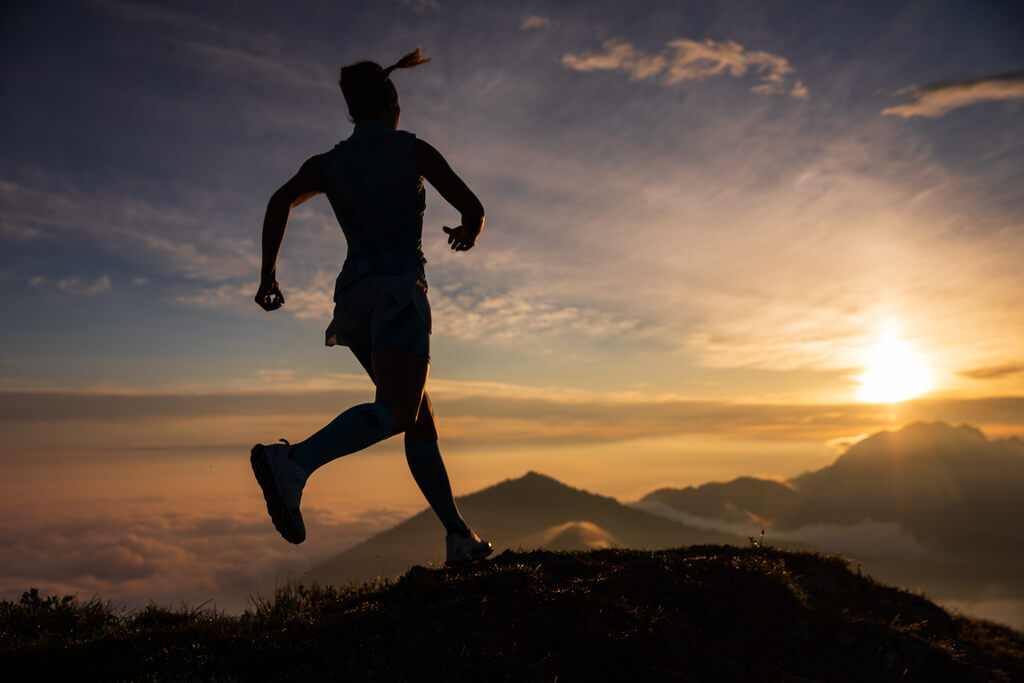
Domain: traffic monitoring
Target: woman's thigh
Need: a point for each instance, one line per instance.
(424, 429)
(400, 377)
(365, 357)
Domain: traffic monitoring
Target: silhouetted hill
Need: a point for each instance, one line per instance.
(530, 512)
(955, 492)
(913, 473)
(742, 499)
(703, 613)
(907, 476)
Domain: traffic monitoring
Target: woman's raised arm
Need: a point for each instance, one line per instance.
(434, 168)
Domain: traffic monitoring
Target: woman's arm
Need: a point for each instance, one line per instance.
(434, 168)
(305, 184)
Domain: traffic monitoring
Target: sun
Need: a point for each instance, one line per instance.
(895, 372)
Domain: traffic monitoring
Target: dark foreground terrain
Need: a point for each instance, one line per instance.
(701, 613)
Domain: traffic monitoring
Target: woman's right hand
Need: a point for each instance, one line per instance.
(461, 238)
(269, 295)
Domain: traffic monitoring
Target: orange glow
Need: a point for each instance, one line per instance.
(895, 372)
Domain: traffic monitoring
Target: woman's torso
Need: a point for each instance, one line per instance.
(378, 197)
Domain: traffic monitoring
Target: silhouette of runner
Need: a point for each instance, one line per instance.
(374, 182)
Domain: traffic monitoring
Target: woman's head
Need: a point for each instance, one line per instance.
(369, 92)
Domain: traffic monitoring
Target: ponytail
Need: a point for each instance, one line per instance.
(409, 61)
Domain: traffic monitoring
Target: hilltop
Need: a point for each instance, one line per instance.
(532, 511)
(700, 613)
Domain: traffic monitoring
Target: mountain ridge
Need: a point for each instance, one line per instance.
(954, 492)
(904, 475)
(705, 612)
(514, 513)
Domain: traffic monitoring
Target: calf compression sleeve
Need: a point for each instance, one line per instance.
(428, 470)
(355, 429)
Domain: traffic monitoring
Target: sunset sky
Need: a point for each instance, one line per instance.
(722, 238)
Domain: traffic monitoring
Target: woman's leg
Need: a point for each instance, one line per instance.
(427, 467)
(400, 376)
(424, 458)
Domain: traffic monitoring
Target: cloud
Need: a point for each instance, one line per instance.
(864, 538)
(845, 442)
(690, 60)
(314, 299)
(993, 371)
(473, 411)
(164, 555)
(142, 13)
(508, 317)
(260, 67)
(75, 285)
(239, 54)
(422, 6)
(617, 55)
(227, 295)
(937, 99)
(144, 231)
(18, 233)
(535, 21)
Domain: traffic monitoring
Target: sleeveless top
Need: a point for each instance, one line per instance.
(377, 195)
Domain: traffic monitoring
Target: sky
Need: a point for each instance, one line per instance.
(722, 238)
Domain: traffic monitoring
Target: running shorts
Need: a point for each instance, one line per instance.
(382, 312)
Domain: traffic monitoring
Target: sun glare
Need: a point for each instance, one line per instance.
(895, 372)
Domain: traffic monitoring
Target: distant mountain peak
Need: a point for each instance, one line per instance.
(532, 479)
(534, 475)
(915, 439)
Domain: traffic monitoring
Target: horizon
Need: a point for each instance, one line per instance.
(722, 240)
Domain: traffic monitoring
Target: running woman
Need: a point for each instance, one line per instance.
(374, 182)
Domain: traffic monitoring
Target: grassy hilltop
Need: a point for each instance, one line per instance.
(700, 613)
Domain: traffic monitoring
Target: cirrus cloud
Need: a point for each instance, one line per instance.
(936, 99)
(690, 60)
(535, 21)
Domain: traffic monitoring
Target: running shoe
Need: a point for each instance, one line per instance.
(462, 549)
(282, 481)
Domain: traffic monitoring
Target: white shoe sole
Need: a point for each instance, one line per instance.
(474, 556)
(282, 518)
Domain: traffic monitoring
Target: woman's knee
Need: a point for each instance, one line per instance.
(403, 416)
(424, 429)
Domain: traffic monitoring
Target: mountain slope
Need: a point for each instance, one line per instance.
(956, 497)
(742, 499)
(703, 613)
(914, 472)
(944, 483)
(529, 512)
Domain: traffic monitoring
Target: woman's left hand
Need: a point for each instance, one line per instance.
(461, 238)
(269, 295)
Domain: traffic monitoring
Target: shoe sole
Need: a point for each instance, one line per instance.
(472, 557)
(279, 514)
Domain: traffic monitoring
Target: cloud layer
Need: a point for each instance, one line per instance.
(165, 556)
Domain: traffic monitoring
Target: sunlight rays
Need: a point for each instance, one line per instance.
(894, 371)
